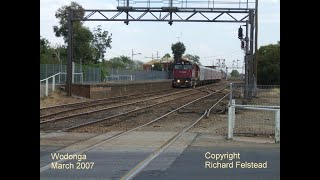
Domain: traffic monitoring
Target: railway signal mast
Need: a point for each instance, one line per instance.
(247, 46)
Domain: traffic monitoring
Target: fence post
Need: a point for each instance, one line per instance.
(100, 77)
(277, 133)
(231, 114)
(40, 89)
(47, 87)
(46, 70)
(230, 99)
(73, 71)
(53, 81)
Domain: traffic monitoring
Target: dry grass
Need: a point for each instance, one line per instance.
(58, 98)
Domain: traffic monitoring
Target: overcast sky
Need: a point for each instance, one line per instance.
(210, 41)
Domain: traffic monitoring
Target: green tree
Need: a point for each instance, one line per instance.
(101, 41)
(46, 52)
(82, 36)
(178, 50)
(138, 65)
(166, 56)
(82, 49)
(60, 54)
(157, 67)
(122, 62)
(193, 58)
(88, 47)
(269, 64)
(234, 73)
(44, 45)
(62, 15)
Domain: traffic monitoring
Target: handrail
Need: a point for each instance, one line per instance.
(50, 77)
(47, 83)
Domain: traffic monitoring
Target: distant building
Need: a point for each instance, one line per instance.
(148, 65)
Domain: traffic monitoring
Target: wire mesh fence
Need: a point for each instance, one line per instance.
(47, 70)
(254, 121)
(91, 75)
(81, 74)
(257, 95)
(134, 75)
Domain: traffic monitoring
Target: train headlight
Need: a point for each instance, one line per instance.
(178, 80)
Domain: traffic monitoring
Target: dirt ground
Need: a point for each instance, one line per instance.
(59, 97)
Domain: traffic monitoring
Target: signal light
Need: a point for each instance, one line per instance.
(242, 44)
(240, 34)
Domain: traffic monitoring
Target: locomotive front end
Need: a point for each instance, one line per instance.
(182, 75)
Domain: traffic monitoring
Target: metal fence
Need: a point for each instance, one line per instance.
(256, 116)
(134, 75)
(92, 75)
(261, 94)
(81, 74)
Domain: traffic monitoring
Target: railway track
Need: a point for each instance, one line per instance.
(58, 109)
(92, 108)
(76, 120)
(192, 120)
(139, 167)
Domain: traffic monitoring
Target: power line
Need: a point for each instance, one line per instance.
(222, 54)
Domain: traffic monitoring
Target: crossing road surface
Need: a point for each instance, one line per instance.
(184, 159)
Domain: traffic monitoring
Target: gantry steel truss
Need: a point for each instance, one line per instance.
(169, 14)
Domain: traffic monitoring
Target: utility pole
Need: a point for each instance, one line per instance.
(249, 58)
(218, 63)
(70, 52)
(132, 54)
(256, 45)
(226, 73)
(158, 55)
(233, 64)
(251, 55)
(243, 67)
(223, 63)
(150, 57)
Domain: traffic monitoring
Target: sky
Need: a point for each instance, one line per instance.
(210, 41)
